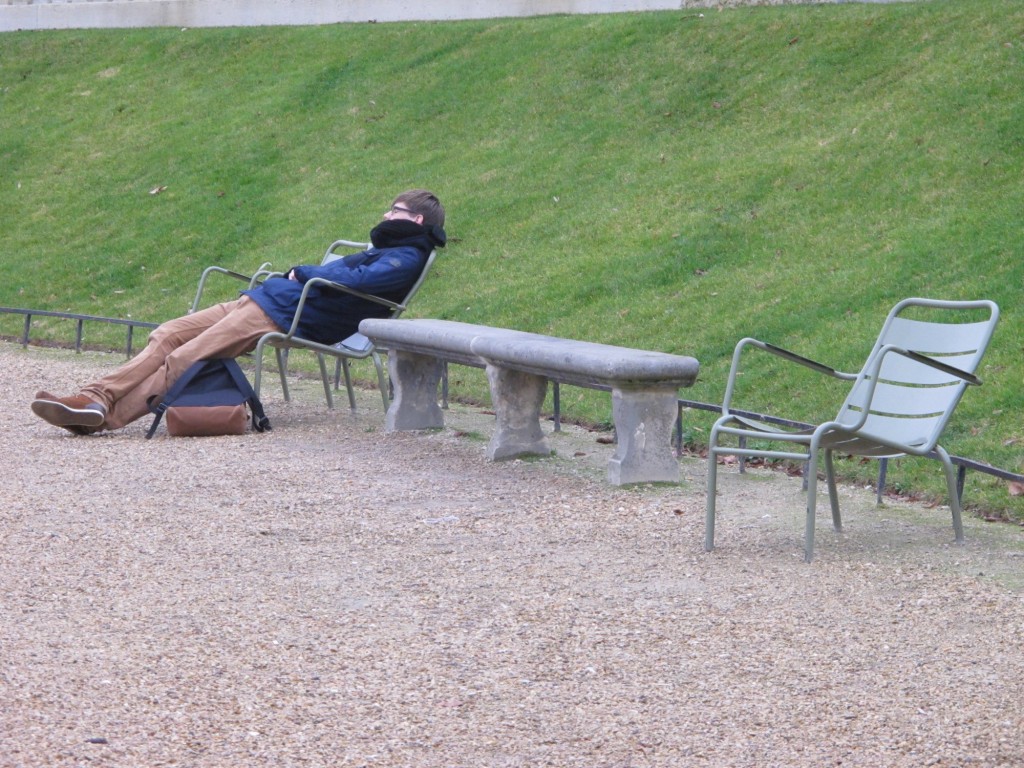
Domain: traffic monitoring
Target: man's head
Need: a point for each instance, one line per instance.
(417, 205)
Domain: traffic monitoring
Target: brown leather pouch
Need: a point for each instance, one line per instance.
(205, 421)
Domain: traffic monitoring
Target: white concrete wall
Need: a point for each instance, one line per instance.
(82, 14)
(85, 14)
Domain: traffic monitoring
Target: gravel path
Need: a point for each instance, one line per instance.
(330, 595)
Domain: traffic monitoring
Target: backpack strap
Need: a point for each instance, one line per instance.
(171, 395)
(260, 422)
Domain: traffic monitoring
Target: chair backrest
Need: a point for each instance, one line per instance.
(416, 286)
(355, 247)
(913, 401)
(358, 342)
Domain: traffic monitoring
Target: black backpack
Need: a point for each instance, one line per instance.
(209, 398)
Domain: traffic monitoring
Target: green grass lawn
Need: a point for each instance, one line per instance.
(669, 180)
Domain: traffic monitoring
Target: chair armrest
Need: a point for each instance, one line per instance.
(778, 352)
(336, 287)
(261, 272)
(353, 292)
(871, 376)
(952, 370)
(793, 357)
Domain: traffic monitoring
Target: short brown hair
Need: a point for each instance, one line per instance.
(425, 204)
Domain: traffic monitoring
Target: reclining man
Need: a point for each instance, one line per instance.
(412, 227)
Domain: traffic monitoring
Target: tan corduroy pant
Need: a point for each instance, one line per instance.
(224, 330)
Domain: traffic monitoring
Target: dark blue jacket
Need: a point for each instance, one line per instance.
(330, 316)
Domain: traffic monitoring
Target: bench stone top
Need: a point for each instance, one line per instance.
(443, 335)
(534, 352)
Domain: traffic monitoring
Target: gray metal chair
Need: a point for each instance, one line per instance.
(355, 347)
(901, 401)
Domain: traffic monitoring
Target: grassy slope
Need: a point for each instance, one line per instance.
(661, 180)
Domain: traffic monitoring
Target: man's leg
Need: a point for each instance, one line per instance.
(224, 330)
(86, 412)
(162, 342)
(234, 333)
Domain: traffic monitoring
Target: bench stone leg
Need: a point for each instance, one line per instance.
(415, 379)
(517, 399)
(644, 418)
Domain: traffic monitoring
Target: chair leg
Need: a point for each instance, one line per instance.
(325, 379)
(812, 498)
(954, 493)
(258, 374)
(343, 365)
(382, 384)
(282, 369)
(709, 515)
(833, 494)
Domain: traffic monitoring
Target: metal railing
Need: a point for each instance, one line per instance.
(80, 321)
(962, 464)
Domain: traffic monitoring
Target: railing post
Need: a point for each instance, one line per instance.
(883, 468)
(556, 402)
(678, 429)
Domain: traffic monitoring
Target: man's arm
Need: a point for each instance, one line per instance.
(387, 271)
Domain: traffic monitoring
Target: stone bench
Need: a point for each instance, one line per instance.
(644, 387)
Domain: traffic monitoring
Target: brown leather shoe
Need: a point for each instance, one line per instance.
(73, 429)
(77, 414)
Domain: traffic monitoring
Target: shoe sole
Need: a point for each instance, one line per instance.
(60, 415)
